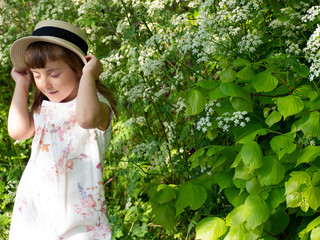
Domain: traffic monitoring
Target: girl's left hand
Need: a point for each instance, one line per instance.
(93, 66)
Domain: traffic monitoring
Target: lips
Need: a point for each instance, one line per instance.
(52, 93)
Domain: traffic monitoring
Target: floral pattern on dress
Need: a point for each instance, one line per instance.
(89, 206)
(62, 184)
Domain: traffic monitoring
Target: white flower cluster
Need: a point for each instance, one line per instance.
(306, 141)
(249, 43)
(180, 105)
(145, 151)
(205, 122)
(293, 48)
(131, 121)
(170, 128)
(237, 118)
(11, 188)
(311, 52)
(312, 13)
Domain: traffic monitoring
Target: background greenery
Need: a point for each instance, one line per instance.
(218, 136)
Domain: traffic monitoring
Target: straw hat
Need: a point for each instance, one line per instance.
(52, 31)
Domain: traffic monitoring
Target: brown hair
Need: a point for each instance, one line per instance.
(37, 56)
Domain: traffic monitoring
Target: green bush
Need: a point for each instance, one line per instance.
(218, 136)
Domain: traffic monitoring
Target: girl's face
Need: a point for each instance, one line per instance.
(57, 81)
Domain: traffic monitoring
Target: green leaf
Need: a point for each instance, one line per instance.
(308, 154)
(236, 216)
(271, 172)
(223, 63)
(302, 70)
(240, 62)
(289, 105)
(280, 221)
(235, 196)
(210, 228)
(164, 194)
(234, 90)
(240, 232)
(294, 199)
(312, 196)
(240, 104)
(216, 94)
(252, 136)
(297, 182)
(196, 155)
(208, 84)
(195, 101)
(312, 225)
(223, 179)
(276, 196)
(228, 75)
(215, 149)
(245, 73)
(309, 125)
(253, 186)
(165, 215)
(264, 81)
(256, 211)
(190, 194)
(273, 118)
(282, 144)
(251, 155)
(315, 234)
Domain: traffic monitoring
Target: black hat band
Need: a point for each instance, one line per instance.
(63, 34)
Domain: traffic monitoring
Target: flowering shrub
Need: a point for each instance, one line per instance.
(219, 131)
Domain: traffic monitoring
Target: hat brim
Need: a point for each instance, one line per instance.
(20, 46)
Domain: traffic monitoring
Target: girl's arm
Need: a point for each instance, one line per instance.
(20, 120)
(91, 113)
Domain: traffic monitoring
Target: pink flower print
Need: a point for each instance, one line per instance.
(73, 119)
(69, 164)
(99, 165)
(91, 201)
(60, 162)
(38, 133)
(44, 112)
(90, 228)
(61, 133)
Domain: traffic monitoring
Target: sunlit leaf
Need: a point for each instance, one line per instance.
(282, 144)
(210, 228)
(309, 125)
(264, 81)
(236, 216)
(289, 105)
(312, 196)
(273, 118)
(308, 154)
(251, 155)
(271, 172)
(256, 211)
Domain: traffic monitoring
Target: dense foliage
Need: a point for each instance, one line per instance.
(218, 136)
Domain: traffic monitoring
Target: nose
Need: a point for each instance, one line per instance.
(45, 83)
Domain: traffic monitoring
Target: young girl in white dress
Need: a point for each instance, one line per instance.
(61, 192)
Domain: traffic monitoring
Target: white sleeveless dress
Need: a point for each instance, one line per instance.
(61, 192)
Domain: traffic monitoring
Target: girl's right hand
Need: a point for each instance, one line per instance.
(24, 78)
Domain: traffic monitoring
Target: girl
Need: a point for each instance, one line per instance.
(61, 192)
